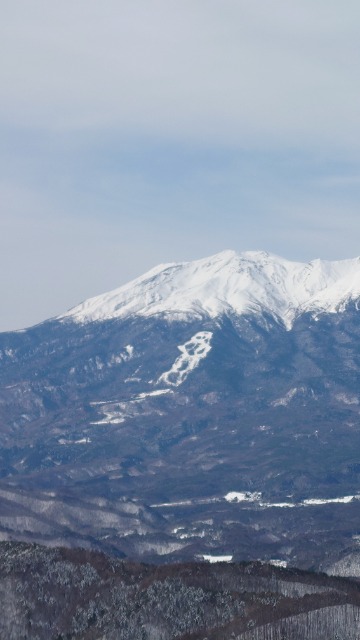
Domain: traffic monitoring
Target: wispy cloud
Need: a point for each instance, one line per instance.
(235, 72)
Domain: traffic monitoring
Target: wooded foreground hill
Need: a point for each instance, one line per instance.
(61, 594)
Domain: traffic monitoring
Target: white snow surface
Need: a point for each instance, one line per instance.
(230, 282)
(242, 496)
(192, 352)
(319, 501)
(213, 559)
(276, 562)
(256, 497)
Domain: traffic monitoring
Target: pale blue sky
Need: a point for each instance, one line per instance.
(134, 133)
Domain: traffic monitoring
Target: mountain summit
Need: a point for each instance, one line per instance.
(230, 283)
(206, 409)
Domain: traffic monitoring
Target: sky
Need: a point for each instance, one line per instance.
(139, 132)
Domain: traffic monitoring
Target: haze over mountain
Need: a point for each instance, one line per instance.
(207, 408)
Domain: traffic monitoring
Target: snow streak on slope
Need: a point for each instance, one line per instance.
(192, 352)
(118, 411)
(250, 282)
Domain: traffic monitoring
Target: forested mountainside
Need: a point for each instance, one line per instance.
(206, 408)
(65, 594)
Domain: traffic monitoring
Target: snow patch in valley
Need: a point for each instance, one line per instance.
(81, 441)
(319, 501)
(97, 363)
(283, 402)
(186, 503)
(192, 352)
(242, 496)
(253, 499)
(159, 392)
(182, 534)
(116, 412)
(9, 353)
(213, 559)
(278, 563)
(264, 427)
(347, 399)
(119, 412)
(179, 503)
(160, 548)
(123, 356)
(279, 505)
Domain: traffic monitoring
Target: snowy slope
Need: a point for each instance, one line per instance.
(192, 352)
(249, 282)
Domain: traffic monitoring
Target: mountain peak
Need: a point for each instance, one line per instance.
(230, 283)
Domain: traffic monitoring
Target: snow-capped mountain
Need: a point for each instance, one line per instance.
(230, 283)
(207, 407)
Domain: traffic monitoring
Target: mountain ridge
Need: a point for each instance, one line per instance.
(252, 282)
(130, 433)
